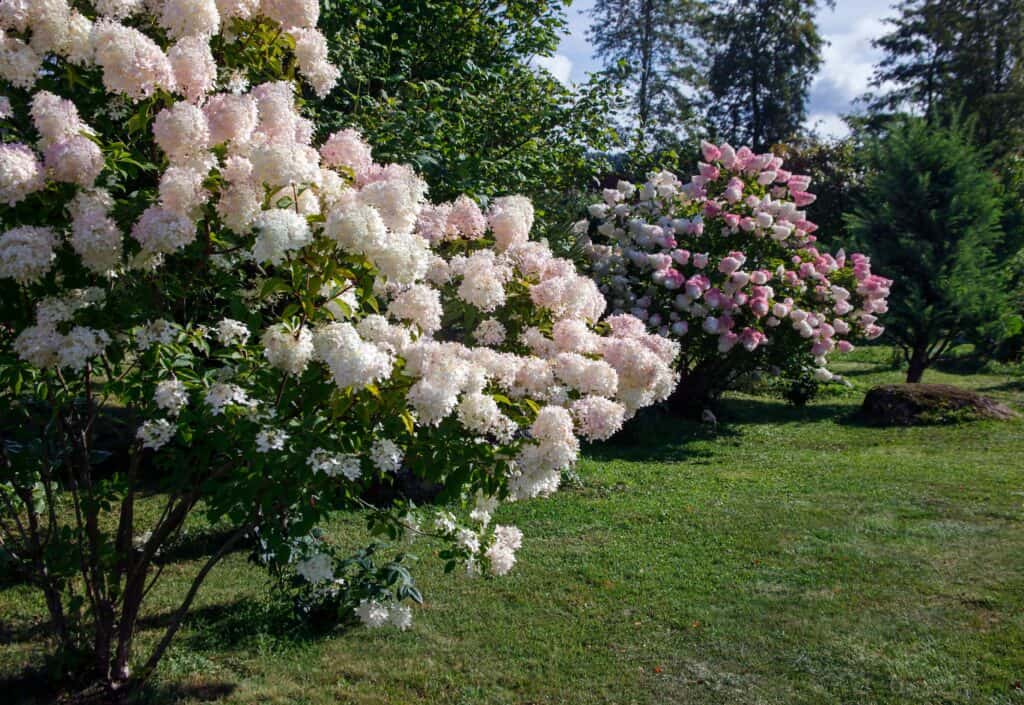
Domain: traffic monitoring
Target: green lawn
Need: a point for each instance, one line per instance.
(791, 557)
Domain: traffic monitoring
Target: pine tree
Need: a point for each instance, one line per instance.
(947, 56)
(930, 217)
(651, 44)
(762, 57)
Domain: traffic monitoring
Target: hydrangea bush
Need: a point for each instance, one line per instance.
(727, 264)
(277, 325)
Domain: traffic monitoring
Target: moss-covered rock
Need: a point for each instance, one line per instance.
(912, 404)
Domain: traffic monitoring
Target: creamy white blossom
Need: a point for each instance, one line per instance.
(171, 396)
(318, 568)
(155, 434)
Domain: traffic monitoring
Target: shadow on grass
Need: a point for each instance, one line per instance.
(1013, 385)
(198, 545)
(192, 546)
(23, 633)
(874, 369)
(655, 435)
(269, 625)
(177, 692)
(31, 686)
(36, 686)
(247, 623)
(961, 364)
(752, 411)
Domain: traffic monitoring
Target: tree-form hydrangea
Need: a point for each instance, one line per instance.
(727, 264)
(278, 325)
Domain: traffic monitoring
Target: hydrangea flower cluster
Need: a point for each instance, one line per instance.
(728, 265)
(288, 323)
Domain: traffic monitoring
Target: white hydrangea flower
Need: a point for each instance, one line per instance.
(469, 540)
(386, 455)
(444, 522)
(21, 172)
(483, 509)
(372, 613)
(490, 331)
(280, 231)
(231, 332)
(171, 396)
(156, 433)
(353, 362)
(501, 554)
(132, 63)
(189, 18)
(511, 219)
(223, 394)
(318, 568)
(286, 349)
(400, 617)
(335, 464)
(161, 231)
(27, 253)
(269, 439)
(95, 237)
(420, 305)
(158, 332)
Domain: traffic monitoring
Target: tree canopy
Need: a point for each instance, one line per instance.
(454, 88)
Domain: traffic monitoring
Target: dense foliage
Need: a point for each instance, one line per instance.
(278, 325)
(837, 168)
(455, 89)
(727, 264)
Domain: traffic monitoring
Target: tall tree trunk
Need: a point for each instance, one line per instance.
(646, 69)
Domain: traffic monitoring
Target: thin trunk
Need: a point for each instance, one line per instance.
(918, 363)
(136, 571)
(176, 621)
(646, 68)
(30, 536)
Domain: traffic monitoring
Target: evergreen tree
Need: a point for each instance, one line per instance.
(762, 57)
(943, 56)
(651, 44)
(930, 217)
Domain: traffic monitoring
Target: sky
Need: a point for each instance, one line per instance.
(844, 75)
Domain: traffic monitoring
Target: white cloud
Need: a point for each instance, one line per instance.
(848, 61)
(828, 125)
(559, 66)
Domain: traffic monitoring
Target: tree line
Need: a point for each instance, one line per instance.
(455, 88)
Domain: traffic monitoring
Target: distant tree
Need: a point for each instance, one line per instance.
(942, 56)
(930, 216)
(652, 45)
(1008, 344)
(762, 56)
(453, 87)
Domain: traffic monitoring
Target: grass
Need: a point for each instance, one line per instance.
(790, 556)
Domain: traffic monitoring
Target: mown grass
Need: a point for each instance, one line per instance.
(788, 556)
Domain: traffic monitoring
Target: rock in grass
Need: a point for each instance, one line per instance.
(912, 404)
